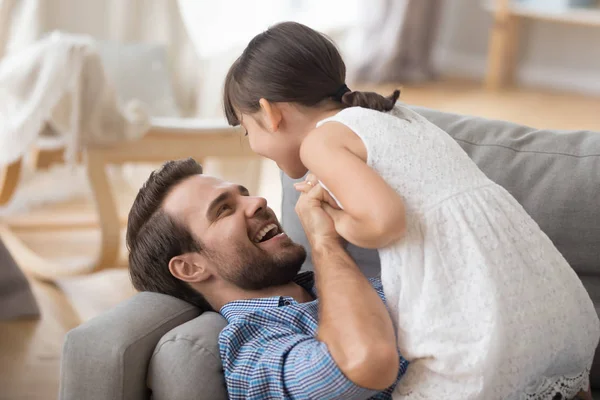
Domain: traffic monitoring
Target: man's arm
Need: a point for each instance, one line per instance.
(271, 361)
(354, 323)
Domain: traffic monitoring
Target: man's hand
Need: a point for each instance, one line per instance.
(317, 224)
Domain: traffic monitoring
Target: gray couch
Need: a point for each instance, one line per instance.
(156, 346)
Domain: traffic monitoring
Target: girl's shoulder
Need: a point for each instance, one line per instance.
(361, 115)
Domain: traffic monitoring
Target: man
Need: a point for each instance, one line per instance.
(212, 244)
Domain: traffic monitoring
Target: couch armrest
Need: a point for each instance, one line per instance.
(107, 357)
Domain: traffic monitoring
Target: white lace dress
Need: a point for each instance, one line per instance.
(484, 305)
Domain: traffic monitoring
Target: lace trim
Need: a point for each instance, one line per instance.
(566, 386)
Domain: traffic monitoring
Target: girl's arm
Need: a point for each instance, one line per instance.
(373, 214)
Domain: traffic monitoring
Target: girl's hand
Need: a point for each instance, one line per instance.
(309, 183)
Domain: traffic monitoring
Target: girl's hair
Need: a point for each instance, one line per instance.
(291, 62)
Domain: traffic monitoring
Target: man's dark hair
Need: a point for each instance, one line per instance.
(154, 237)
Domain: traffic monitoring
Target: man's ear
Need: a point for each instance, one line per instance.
(189, 267)
(273, 114)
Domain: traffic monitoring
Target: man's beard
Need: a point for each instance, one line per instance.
(254, 269)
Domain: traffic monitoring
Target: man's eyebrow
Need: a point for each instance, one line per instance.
(243, 191)
(221, 199)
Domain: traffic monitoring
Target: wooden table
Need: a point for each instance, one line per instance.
(504, 38)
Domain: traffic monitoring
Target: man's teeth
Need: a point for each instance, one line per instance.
(260, 235)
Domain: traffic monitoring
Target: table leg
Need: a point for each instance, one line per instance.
(108, 212)
(503, 47)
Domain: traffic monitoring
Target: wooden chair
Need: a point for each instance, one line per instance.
(9, 179)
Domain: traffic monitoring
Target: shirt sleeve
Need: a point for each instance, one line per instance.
(273, 362)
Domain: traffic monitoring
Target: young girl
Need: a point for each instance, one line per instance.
(484, 305)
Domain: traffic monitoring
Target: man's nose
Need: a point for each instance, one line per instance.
(255, 205)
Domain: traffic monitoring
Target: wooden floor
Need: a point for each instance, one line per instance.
(30, 350)
(536, 108)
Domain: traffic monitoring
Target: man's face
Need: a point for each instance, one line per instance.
(240, 236)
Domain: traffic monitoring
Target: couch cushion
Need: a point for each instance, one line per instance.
(186, 363)
(554, 175)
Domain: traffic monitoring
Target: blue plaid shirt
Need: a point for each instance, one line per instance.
(269, 351)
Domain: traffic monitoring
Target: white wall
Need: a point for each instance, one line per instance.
(552, 55)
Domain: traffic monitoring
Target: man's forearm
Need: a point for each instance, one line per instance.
(353, 321)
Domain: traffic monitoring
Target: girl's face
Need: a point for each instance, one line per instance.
(278, 138)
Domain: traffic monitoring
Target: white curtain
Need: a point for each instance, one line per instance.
(19, 24)
(394, 41)
(221, 29)
(131, 21)
(202, 37)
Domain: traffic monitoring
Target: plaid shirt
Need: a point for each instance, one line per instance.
(269, 351)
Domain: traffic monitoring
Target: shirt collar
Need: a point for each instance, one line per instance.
(238, 308)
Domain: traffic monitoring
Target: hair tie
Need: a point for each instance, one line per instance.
(337, 96)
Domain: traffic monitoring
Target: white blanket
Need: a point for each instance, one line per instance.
(59, 83)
